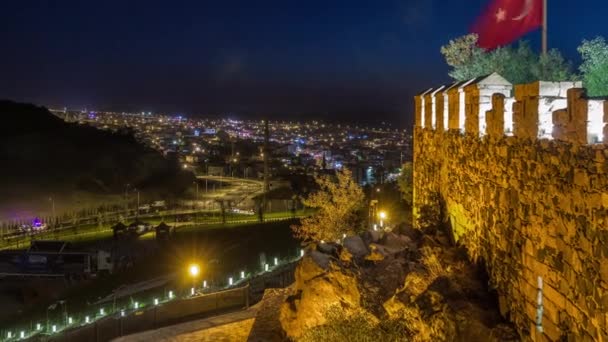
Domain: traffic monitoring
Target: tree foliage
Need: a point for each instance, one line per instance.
(595, 66)
(405, 183)
(338, 203)
(517, 64)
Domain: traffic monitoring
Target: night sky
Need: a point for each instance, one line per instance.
(337, 60)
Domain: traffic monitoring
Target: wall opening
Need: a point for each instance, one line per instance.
(446, 112)
(509, 116)
(434, 95)
(422, 111)
(433, 111)
(461, 110)
(546, 107)
(485, 104)
(595, 121)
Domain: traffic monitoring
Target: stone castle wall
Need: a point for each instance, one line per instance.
(532, 203)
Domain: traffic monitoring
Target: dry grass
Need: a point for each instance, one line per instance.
(359, 327)
(418, 282)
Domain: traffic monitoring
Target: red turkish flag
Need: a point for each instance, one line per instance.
(506, 20)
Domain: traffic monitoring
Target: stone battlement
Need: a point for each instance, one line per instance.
(520, 176)
(542, 110)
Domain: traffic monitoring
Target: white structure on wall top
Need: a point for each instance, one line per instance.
(424, 106)
(472, 99)
(551, 97)
(482, 89)
(434, 106)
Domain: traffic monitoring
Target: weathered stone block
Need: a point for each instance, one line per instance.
(520, 91)
(551, 330)
(495, 118)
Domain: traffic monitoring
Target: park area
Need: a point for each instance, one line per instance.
(240, 248)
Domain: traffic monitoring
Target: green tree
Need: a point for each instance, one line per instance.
(554, 68)
(595, 66)
(517, 64)
(405, 183)
(338, 201)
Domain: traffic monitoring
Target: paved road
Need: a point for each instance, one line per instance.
(234, 189)
(232, 327)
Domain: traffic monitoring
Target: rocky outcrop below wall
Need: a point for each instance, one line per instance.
(535, 211)
(394, 287)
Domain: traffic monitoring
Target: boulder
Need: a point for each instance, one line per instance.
(396, 243)
(355, 245)
(371, 236)
(395, 276)
(320, 259)
(315, 290)
(327, 248)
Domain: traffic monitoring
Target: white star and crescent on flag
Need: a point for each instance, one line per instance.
(501, 15)
(506, 20)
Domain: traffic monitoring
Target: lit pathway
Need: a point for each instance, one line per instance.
(231, 327)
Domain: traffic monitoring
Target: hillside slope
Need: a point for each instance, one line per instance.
(42, 154)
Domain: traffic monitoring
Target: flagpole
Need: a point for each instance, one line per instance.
(544, 31)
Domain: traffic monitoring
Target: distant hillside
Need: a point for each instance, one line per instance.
(37, 148)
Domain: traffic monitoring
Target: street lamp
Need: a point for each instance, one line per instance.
(194, 270)
(53, 208)
(382, 216)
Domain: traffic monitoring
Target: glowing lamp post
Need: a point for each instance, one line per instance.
(194, 270)
(382, 216)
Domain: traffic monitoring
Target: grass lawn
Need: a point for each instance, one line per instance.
(93, 232)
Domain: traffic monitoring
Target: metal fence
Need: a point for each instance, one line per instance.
(136, 320)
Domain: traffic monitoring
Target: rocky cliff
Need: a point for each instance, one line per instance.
(391, 287)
